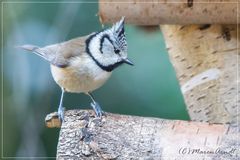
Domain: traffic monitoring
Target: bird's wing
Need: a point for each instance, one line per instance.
(60, 54)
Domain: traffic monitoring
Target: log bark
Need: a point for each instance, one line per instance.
(130, 137)
(155, 12)
(206, 62)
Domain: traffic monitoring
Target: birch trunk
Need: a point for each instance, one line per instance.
(206, 62)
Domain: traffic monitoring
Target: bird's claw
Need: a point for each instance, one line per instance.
(97, 109)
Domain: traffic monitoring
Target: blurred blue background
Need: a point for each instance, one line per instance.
(150, 88)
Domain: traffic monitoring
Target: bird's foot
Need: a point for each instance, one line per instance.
(61, 113)
(97, 109)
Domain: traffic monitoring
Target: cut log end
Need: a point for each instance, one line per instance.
(52, 120)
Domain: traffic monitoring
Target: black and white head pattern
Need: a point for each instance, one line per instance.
(108, 48)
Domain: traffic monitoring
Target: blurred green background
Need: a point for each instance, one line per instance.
(29, 93)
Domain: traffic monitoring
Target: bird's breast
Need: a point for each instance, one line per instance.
(82, 75)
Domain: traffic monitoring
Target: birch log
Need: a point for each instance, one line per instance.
(130, 137)
(206, 62)
(155, 12)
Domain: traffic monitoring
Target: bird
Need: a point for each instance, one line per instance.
(84, 64)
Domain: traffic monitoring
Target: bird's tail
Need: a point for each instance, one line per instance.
(35, 49)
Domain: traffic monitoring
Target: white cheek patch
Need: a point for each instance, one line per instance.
(94, 48)
(107, 47)
(108, 57)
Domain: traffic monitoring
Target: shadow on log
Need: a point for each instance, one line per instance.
(83, 136)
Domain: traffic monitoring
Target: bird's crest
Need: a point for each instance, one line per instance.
(119, 34)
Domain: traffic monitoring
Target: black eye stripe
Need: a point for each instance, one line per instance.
(117, 51)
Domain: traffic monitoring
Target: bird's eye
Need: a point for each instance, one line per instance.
(116, 51)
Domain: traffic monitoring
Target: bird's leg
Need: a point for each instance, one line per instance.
(60, 108)
(97, 108)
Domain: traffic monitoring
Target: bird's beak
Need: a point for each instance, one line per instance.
(127, 61)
